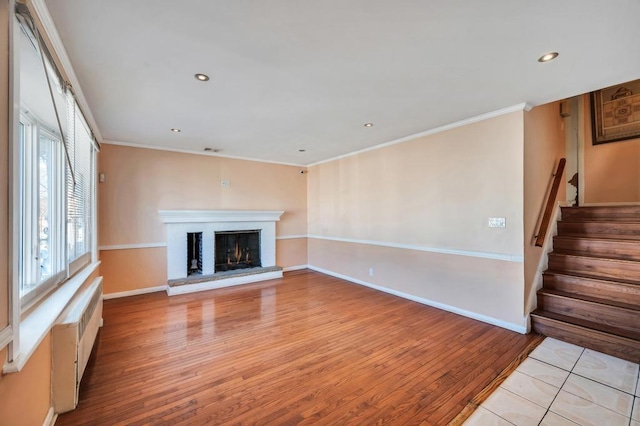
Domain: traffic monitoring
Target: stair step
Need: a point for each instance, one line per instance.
(593, 247)
(613, 314)
(606, 290)
(612, 269)
(600, 229)
(611, 213)
(588, 334)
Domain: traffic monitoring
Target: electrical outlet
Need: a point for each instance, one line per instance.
(370, 272)
(225, 183)
(497, 222)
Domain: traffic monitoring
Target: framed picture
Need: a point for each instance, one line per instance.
(615, 113)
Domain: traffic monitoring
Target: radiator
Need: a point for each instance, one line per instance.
(73, 337)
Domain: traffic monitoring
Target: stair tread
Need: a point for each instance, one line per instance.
(591, 325)
(623, 261)
(631, 284)
(592, 299)
(593, 277)
(596, 238)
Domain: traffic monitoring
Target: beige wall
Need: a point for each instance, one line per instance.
(4, 163)
(611, 170)
(25, 396)
(139, 182)
(435, 192)
(544, 146)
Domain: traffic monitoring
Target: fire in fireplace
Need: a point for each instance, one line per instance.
(237, 250)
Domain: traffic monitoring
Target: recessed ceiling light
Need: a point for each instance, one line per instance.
(368, 124)
(176, 130)
(548, 57)
(202, 77)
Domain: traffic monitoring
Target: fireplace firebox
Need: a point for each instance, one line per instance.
(237, 250)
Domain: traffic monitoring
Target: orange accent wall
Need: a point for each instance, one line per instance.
(139, 182)
(25, 396)
(611, 170)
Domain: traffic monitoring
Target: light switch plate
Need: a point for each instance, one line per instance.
(497, 222)
(226, 183)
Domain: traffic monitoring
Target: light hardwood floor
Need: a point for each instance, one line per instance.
(305, 349)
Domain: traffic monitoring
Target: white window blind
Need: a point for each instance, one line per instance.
(79, 186)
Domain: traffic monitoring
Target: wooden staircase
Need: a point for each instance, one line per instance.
(591, 291)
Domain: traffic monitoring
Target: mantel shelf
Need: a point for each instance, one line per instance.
(212, 216)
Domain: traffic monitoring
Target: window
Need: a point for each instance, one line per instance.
(56, 175)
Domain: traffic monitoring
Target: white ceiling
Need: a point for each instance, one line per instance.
(290, 74)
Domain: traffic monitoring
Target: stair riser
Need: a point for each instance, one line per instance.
(623, 231)
(602, 289)
(605, 314)
(604, 212)
(603, 268)
(597, 248)
(601, 342)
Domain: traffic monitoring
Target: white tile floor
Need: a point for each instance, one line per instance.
(564, 384)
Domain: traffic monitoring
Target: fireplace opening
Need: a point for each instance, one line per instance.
(194, 253)
(237, 250)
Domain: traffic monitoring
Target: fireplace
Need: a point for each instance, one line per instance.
(209, 249)
(237, 250)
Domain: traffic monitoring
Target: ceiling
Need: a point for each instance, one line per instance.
(288, 75)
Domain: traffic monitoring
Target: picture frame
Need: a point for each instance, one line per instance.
(615, 113)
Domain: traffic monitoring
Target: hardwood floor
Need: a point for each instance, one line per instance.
(305, 349)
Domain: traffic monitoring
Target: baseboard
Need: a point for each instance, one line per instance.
(522, 329)
(135, 292)
(51, 418)
(295, 268)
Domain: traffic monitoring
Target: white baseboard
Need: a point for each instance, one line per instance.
(294, 268)
(519, 328)
(51, 418)
(135, 292)
(227, 282)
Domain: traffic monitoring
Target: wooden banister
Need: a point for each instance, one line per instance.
(551, 201)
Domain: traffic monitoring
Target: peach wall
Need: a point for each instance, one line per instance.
(544, 146)
(611, 170)
(435, 192)
(291, 252)
(25, 397)
(139, 182)
(4, 163)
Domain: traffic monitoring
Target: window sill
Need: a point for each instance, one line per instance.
(35, 326)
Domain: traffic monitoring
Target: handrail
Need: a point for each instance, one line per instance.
(548, 210)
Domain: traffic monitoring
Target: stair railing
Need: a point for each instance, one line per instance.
(551, 201)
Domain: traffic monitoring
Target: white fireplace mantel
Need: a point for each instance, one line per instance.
(199, 216)
(181, 222)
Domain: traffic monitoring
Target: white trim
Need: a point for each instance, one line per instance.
(132, 246)
(6, 336)
(51, 32)
(35, 326)
(522, 329)
(227, 282)
(295, 268)
(612, 204)
(51, 418)
(209, 216)
(292, 237)
(135, 292)
(190, 151)
(526, 106)
(485, 255)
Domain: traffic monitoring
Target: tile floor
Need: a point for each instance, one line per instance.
(564, 384)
